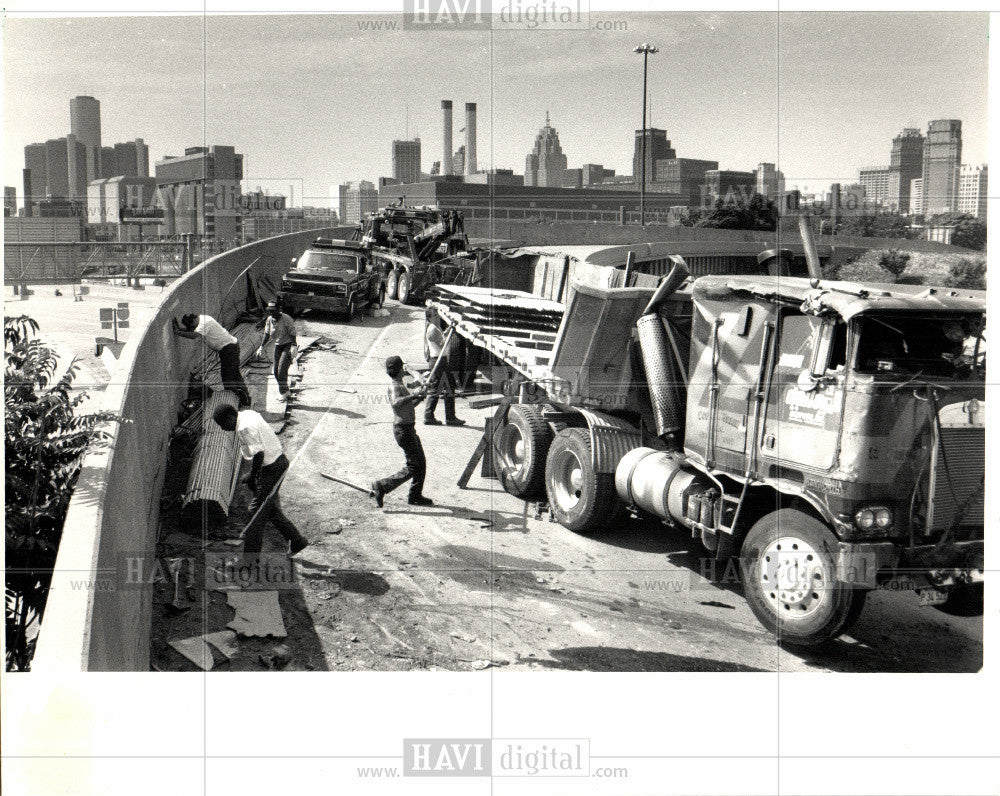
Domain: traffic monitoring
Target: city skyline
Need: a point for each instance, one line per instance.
(341, 128)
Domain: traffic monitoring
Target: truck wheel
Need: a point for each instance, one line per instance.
(521, 449)
(403, 287)
(580, 498)
(964, 600)
(352, 309)
(391, 284)
(788, 564)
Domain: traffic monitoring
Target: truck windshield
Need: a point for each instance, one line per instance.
(327, 261)
(948, 347)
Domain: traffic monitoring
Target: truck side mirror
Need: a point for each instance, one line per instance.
(294, 260)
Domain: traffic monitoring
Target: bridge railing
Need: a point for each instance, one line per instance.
(100, 604)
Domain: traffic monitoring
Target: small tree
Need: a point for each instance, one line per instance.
(45, 441)
(894, 261)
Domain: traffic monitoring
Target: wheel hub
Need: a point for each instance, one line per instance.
(568, 481)
(512, 450)
(793, 577)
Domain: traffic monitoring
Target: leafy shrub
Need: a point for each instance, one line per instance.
(968, 273)
(45, 441)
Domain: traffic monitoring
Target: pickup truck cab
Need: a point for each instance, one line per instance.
(335, 276)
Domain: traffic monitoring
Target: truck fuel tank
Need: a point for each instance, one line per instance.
(657, 482)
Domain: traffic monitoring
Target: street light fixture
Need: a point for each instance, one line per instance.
(646, 50)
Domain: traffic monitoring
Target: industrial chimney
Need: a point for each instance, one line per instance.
(446, 160)
(470, 138)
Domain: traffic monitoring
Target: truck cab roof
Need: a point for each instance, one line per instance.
(845, 299)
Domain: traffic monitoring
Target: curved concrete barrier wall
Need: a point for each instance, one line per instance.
(100, 605)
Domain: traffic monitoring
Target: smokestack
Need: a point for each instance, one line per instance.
(446, 160)
(470, 138)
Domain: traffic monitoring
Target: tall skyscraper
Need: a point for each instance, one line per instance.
(406, 161)
(906, 163)
(57, 168)
(657, 148)
(972, 191)
(458, 161)
(546, 163)
(942, 161)
(76, 166)
(142, 157)
(36, 177)
(85, 124)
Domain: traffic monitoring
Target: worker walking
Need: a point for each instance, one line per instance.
(404, 430)
(281, 328)
(215, 336)
(260, 444)
(435, 347)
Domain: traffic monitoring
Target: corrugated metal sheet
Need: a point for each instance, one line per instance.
(216, 458)
(610, 439)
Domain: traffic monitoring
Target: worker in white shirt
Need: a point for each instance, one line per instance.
(281, 328)
(215, 336)
(434, 345)
(260, 444)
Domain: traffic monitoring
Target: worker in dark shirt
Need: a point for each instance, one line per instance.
(280, 328)
(403, 429)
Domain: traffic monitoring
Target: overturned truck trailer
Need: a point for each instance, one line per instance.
(830, 436)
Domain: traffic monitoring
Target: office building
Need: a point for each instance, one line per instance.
(545, 164)
(361, 198)
(942, 162)
(906, 163)
(497, 177)
(341, 200)
(76, 165)
(35, 174)
(109, 164)
(657, 148)
(572, 178)
(406, 161)
(972, 191)
(9, 201)
(729, 186)
(917, 197)
(875, 180)
(458, 161)
(201, 193)
(594, 174)
(56, 169)
(118, 203)
(85, 124)
(683, 176)
(770, 181)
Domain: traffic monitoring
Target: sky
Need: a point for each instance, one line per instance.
(316, 100)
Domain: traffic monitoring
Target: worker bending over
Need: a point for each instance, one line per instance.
(260, 444)
(215, 336)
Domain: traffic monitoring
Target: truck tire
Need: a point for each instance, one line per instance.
(391, 282)
(403, 287)
(788, 565)
(352, 308)
(580, 498)
(519, 456)
(964, 600)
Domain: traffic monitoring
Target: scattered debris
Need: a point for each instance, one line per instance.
(278, 660)
(345, 482)
(481, 664)
(224, 641)
(716, 604)
(349, 392)
(462, 637)
(257, 613)
(195, 650)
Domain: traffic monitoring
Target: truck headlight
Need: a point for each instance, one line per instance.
(873, 517)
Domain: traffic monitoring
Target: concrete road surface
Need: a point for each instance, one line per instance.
(478, 581)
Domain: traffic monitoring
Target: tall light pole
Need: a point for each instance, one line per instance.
(646, 50)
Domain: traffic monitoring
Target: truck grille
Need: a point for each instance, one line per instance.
(965, 452)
